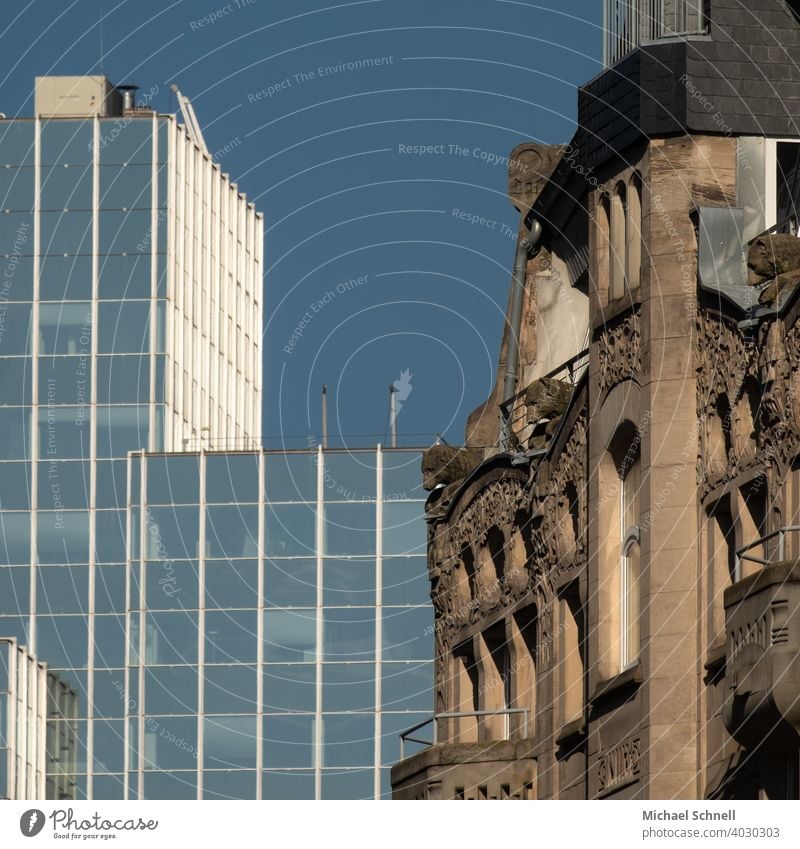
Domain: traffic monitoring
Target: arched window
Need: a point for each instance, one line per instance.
(721, 542)
(497, 553)
(621, 214)
(496, 679)
(618, 246)
(629, 562)
(525, 652)
(466, 692)
(618, 624)
(633, 253)
(464, 578)
(603, 245)
(752, 520)
(570, 661)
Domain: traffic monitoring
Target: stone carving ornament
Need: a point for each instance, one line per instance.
(494, 506)
(561, 546)
(619, 351)
(545, 636)
(535, 551)
(743, 441)
(789, 374)
(467, 537)
(779, 400)
(727, 367)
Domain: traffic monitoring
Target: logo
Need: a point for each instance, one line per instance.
(31, 822)
(402, 388)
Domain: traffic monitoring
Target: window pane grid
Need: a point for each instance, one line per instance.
(254, 613)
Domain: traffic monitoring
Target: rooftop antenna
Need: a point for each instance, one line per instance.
(100, 27)
(393, 413)
(189, 118)
(324, 416)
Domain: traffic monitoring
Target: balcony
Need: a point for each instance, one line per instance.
(631, 23)
(490, 769)
(762, 623)
(531, 416)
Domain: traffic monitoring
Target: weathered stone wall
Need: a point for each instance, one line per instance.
(713, 408)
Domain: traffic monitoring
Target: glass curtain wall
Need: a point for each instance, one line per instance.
(280, 623)
(82, 365)
(23, 706)
(87, 208)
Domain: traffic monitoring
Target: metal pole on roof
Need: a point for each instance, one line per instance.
(324, 416)
(393, 413)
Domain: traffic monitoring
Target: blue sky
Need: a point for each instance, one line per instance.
(368, 260)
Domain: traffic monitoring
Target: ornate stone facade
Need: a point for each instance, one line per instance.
(463, 536)
(616, 588)
(619, 351)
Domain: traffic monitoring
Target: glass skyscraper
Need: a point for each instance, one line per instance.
(280, 623)
(23, 709)
(37, 757)
(228, 624)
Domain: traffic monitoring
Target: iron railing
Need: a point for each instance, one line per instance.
(790, 225)
(630, 23)
(405, 736)
(242, 443)
(513, 410)
(780, 551)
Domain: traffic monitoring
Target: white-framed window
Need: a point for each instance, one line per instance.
(629, 637)
(768, 185)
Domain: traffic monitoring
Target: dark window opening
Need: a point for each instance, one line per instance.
(497, 551)
(495, 639)
(787, 183)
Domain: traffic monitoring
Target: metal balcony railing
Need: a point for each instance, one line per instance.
(779, 553)
(405, 736)
(630, 23)
(788, 226)
(514, 410)
(241, 443)
(294, 442)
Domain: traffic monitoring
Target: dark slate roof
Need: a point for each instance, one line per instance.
(742, 78)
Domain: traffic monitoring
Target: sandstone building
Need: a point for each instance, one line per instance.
(613, 555)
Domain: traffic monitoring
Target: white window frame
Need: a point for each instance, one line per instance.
(629, 537)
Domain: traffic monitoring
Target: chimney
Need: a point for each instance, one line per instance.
(128, 95)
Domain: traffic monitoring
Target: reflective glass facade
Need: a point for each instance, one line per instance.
(130, 319)
(280, 623)
(23, 706)
(211, 625)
